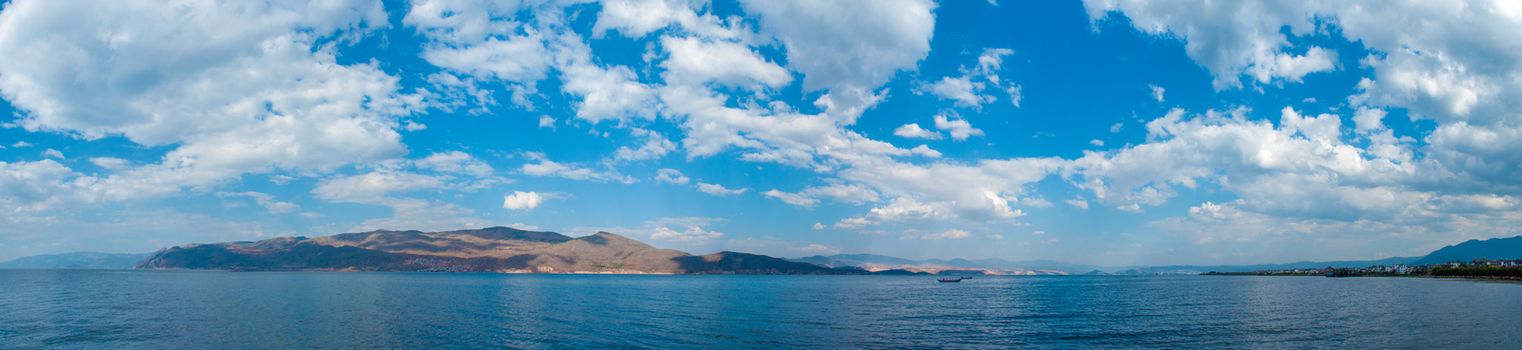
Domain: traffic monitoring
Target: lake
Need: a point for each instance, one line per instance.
(288, 310)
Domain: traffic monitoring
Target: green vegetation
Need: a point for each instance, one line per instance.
(1488, 271)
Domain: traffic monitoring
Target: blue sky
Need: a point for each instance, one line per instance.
(1104, 132)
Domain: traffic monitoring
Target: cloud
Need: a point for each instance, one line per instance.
(1231, 40)
(901, 209)
(984, 190)
(784, 137)
(451, 92)
(655, 147)
(967, 90)
(960, 129)
(399, 184)
(384, 188)
(424, 215)
(607, 93)
(265, 200)
(39, 188)
(519, 200)
(852, 223)
(671, 176)
(1368, 120)
(913, 131)
(1449, 71)
(230, 88)
(698, 61)
(455, 162)
(374, 187)
(513, 58)
(110, 163)
(681, 230)
(684, 229)
(882, 37)
(809, 197)
(543, 166)
(791, 198)
(53, 153)
(486, 41)
(689, 234)
(465, 38)
(959, 89)
(1157, 92)
(948, 234)
(719, 190)
(815, 248)
(637, 18)
(1301, 178)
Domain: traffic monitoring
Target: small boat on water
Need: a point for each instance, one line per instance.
(950, 280)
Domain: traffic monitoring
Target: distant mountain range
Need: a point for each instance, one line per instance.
(495, 249)
(873, 262)
(503, 249)
(1198, 269)
(79, 260)
(1494, 249)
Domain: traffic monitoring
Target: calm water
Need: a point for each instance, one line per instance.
(286, 310)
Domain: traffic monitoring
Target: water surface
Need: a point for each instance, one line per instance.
(288, 310)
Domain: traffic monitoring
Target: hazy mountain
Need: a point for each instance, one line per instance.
(874, 262)
(79, 260)
(1495, 248)
(1198, 269)
(495, 249)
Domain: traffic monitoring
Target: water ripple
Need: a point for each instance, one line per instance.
(289, 310)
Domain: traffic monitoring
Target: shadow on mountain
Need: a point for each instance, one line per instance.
(752, 264)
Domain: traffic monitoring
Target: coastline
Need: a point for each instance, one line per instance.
(1507, 279)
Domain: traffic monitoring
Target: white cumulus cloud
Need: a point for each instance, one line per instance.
(519, 200)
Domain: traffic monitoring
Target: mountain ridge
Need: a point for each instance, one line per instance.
(75, 260)
(503, 248)
(492, 249)
(1492, 248)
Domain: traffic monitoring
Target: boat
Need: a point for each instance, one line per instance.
(950, 280)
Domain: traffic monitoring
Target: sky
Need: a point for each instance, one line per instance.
(1101, 132)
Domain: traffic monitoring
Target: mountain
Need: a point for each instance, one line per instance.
(744, 263)
(1495, 248)
(1198, 269)
(882, 263)
(79, 260)
(494, 249)
(503, 249)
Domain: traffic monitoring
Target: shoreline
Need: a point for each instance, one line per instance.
(1508, 279)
